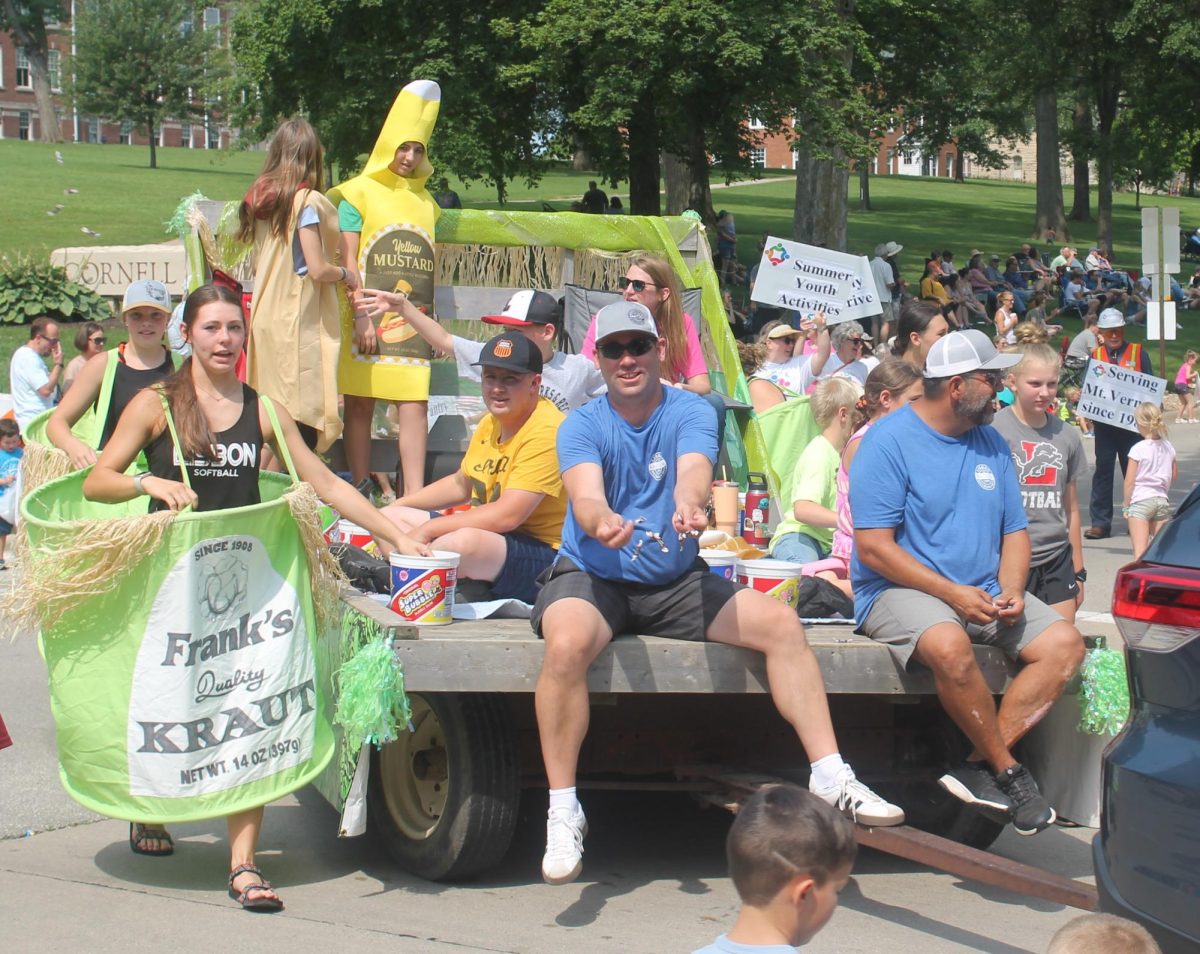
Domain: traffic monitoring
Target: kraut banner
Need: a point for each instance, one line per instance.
(180, 650)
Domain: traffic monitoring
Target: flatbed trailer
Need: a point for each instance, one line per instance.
(665, 715)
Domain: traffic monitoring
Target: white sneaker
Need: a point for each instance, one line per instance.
(851, 797)
(565, 830)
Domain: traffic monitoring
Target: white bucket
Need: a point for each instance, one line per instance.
(721, 562)
(777, 578)
(423, 587)
(351, 533)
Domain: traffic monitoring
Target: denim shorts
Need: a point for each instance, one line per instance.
(1151, 508)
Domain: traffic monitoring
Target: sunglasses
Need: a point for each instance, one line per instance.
(637, 283)
(615, 350)
(98, 340)
(992, 378)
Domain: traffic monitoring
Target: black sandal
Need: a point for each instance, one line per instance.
(139, 833)
(243, 898)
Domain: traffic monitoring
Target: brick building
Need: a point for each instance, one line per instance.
(19, 117)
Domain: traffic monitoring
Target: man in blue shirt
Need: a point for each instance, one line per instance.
(941, 555)
(637, 465)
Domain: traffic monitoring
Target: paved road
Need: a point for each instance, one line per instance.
(654, 878)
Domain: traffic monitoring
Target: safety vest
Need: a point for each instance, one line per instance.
(1131, 357)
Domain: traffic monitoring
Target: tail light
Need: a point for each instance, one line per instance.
(1157, 608)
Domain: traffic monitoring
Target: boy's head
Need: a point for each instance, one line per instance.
(1034, 381)
(10, 434)
(1092, 933)
(790, 855)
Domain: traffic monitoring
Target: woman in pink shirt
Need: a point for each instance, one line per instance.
(651, 281)
(1185, 387)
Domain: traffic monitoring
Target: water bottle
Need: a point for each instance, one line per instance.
(758, 511)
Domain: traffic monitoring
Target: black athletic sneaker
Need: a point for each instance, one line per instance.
(1031, 812)
(974, 783)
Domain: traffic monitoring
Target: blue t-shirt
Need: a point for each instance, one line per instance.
(640, 469)
(723, 945)
(950, 499)
(10, 462)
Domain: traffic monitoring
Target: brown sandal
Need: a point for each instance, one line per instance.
(139, 833)
(243, 897)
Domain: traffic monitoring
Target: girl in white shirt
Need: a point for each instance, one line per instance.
(1148, 478)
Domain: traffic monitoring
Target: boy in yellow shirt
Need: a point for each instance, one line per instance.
(509, 476)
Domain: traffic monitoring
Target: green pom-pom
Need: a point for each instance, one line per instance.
(691, 214)
(1104, 706)
(371, 698)
(178, 223)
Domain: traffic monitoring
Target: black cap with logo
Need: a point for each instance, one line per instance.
(513, 352)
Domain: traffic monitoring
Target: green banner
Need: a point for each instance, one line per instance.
(185, 685)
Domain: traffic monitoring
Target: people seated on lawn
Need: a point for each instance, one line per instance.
(983, 287)
(1005, 319)
(509, 476)
(783, 374)
(992, 271)
(1030, 262)
(638, 469)
(568, 381)
(1037, 313)
(968, 310)
(935, 572)
(1066, 257)
(932, 289)
(1099, 262)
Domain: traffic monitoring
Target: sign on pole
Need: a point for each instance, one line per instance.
(1156, 312)
(1150, 242)
(1111, 394)
(808, 279)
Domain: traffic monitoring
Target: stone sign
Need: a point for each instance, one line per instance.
(108, 269)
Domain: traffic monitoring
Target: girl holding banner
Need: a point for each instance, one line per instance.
(204, 417)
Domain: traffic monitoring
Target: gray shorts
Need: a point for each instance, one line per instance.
(900, 617)
(1151, 508)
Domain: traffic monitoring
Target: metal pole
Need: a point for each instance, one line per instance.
(1164, 294)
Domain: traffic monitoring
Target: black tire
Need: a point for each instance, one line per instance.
(443, 798)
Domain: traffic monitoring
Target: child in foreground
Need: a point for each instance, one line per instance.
(1148, 478)
(1102, 934)
(10, 461)
(790, 855)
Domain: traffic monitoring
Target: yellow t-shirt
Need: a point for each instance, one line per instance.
(527, 461)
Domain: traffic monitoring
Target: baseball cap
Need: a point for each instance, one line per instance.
(511, 352)
(995, 258)
(963, 351)
(783, 331)
(147, 294)
(1111, 318)
(528, 307)
(624, 316)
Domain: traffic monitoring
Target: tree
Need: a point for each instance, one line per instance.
(143, 60)
(26, 23)
(489, 129)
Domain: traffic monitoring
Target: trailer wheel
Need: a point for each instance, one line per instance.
(443, 798)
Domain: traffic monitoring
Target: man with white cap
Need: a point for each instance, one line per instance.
(941, 555)
(885, 287)
(638, 466)
(1112, 442)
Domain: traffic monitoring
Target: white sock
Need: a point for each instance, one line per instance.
(564, 798)
(825, 771)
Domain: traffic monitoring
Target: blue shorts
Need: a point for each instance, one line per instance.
(5, 527)
(525, 559)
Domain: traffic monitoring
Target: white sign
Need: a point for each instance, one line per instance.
(109, 269)
(1153, 310)
(224, 689)
(1150, 234)
(1111, 394)
(808, 279)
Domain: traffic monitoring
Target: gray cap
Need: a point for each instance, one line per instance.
(147, 294)
(963, 351)
(624, 316)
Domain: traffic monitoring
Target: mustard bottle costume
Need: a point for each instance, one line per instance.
(395, 251)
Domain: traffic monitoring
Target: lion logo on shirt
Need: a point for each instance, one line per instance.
(1041, 464)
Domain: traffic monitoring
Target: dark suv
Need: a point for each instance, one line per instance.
(1147, 854)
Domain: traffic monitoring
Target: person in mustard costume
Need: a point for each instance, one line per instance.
(387, 220)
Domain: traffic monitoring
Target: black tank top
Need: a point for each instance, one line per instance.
(126, 383)
(230, 479)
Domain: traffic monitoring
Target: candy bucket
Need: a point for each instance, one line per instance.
(423, 587)
(777, 578)
(351, 533)
(720, 562)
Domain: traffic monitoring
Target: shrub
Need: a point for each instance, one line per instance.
(29, 289)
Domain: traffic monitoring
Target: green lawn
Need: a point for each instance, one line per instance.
(127, 203)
